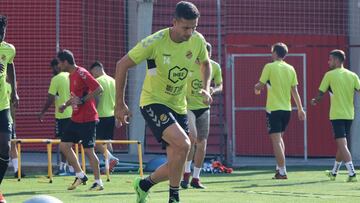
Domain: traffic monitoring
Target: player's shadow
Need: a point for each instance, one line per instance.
(102, 194)
(278, 184)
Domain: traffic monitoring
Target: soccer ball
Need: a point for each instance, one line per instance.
(43, 199)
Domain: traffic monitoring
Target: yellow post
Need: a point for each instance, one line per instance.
(107, 163)
(77, 151)
(49, 153)
(83, 158)
(140, 160)
(18, 145)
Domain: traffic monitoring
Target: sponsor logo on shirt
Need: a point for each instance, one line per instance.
(176, 74)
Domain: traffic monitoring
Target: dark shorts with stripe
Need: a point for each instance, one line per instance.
(60, 126)
(159, 117)
(105, 128)
(84, 132)
(341, 128)
(277, 121)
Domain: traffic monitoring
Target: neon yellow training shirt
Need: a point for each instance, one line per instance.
(194, 98)
(106, 103)
(280, 77)
(60, 88)
(168, 65)
(341, 84)
(7, 55)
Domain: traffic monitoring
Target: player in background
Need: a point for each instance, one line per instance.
(170, 54)
(82, 127)
(7, 70)
(341, 84)
(59, 93)
(199, 120)
(105, 105)
(281, 81)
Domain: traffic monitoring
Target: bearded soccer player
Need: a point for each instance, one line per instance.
(341, 84)
(170, 54)
(83, 89)
(7, 69)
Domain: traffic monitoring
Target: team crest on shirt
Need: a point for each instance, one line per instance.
(164, 118)
(189, 54)
(3, 57)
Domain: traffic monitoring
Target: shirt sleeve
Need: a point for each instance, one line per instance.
(265, 75)
(357, 82)
(217, 73)
(143, 50)
(203, 54)
(325, 83)
(90, 81)
(294, 81)
(53, 87)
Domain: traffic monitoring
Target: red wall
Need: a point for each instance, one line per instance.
(32, 30)
(316, 48)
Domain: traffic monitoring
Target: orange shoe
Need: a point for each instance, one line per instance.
(2, 198)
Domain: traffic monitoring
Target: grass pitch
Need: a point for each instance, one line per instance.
(244, 185)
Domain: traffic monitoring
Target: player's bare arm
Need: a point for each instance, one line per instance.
(205, 69)
(122, 112)
(258, 87)
(296, 97)
(11, 74)
(317, 99)
(50, 100)
(216, 89)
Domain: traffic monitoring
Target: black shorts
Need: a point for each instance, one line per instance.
(105, 128)
(158, 117)
(84, 132)
(277, 121)
(199, 112)
(341, 128)
(5, 124)
(61, 126)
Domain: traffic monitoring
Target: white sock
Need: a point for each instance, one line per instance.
(277, 167)
(350, 167)
(99, 182)
(188, 167)
(80, 175)
(196, 173)
(282, 170)
(62, 166)
(336, 167)
(71, 169)
(15, 164)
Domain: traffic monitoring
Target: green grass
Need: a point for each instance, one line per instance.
(244, 185)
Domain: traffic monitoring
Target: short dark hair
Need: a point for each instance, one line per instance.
(186, 10)
(54, 63)
(3, 22)
(280, 49)
(96, 64)
(66, 55)
(339, 54)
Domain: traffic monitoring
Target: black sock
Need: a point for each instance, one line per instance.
(3, 167)
(146, 184)
(174, 193)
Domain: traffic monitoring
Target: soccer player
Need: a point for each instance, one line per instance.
(341, 84)
(13, 150)
(199, 120)
(170, 54)
(59, 93)
(83, 89)
(281, 81)
(7, 69)
(105, 105)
